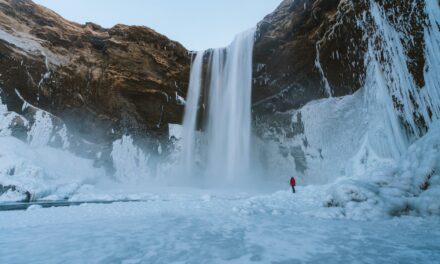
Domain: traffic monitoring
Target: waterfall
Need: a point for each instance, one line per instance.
(225, 154)
(190, 118)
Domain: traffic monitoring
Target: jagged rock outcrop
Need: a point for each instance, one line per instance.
(311, 49)
(101, 82)
(293, 44)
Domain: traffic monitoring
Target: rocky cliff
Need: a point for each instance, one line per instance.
(374, 65)
(312, 49)
(101, 82)
(106, 82)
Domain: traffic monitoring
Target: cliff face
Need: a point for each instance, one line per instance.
(106, 82)
(312, 49)
(101, 82)
(377, 59)
(290, 43)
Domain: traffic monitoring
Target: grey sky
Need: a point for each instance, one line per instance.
(197, 24)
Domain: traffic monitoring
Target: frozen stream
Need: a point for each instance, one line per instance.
(212, 228)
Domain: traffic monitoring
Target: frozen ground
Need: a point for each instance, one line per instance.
(212, 228)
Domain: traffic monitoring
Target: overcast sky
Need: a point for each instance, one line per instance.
(197, 24)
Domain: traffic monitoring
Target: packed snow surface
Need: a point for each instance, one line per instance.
(212, 227)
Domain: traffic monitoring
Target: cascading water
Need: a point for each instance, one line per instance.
(228, 116)
(190, 118)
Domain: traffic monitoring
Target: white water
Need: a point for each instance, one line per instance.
(190, 118)
(227, 136)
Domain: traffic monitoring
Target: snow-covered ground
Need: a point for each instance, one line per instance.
(380, 202)
(212, 228)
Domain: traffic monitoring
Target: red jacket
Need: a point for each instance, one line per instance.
(292, 181)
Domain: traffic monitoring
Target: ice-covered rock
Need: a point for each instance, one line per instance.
(410, 186)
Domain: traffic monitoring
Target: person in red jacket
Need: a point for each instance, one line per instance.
(293, 183)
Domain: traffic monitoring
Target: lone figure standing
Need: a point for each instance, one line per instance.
(292, 184)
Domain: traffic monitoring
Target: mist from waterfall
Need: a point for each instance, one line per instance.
(222, 151)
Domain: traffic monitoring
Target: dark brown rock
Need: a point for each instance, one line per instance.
(101, 82)
(288, 44)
